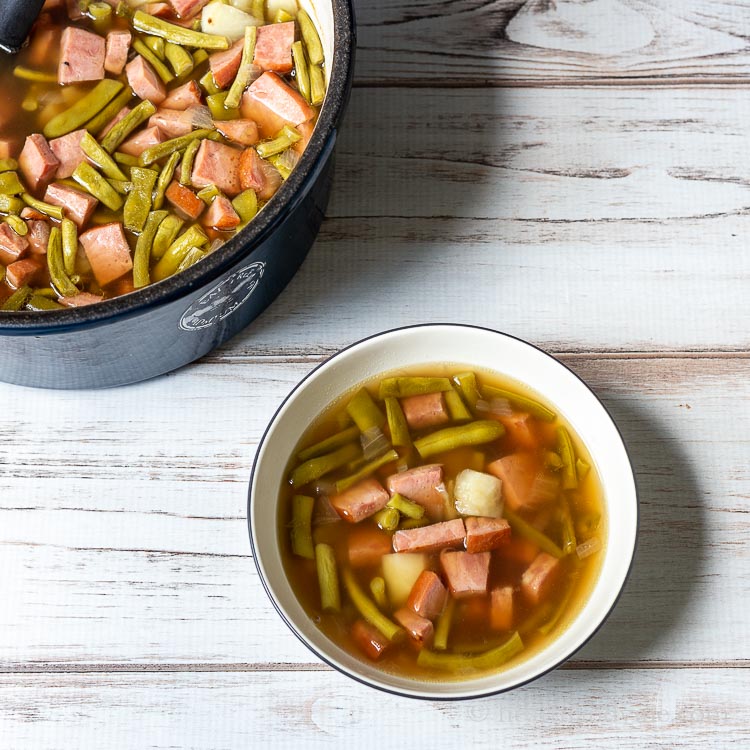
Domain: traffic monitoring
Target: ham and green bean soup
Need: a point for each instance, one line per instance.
(137, 137)
(441, 523)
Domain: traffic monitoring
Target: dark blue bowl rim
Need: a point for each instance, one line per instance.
(394, 691)
(291, 192)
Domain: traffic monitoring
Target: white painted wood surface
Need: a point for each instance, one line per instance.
(572, 172)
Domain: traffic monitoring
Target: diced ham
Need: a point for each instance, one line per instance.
(369, 639)
(217, 164)
(539, 579)
(258, 175)
(484, 534)
(428, 595)
(108, 252)
(38, 236)
(420, 486)
(518, 550)
(425, 410)
(123, 285)
(466, 572)
(280, 98)
(172, 122)
(78, 205)
(82, 56)
(517, 473)
(187, 8)
(361, 500)
(37, 161)
(80, 300)
(501, 608)
(366, 545)
(273, 48)
(117, 48)
(68, 151)
(305, 129)
(144, 81)
(419, 629)
(26, 271)
(8, 148)
(221, 215)
(142, 140)
(520, 429)
(187, 203)
(269, 123)
(224, 65)
(12, 246)
(119, 116)
(160, 10)
(187, 95)
(244, 132)
(430, 538)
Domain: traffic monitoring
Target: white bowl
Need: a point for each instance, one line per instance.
(485, 350)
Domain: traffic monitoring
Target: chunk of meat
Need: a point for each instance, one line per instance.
(221, 215)
(419, 629)
(26, 271)
(183, 97)
(428, 595)
(518, 550)
(224, 65)
(38, 236)
(68, 151)
(258, 175)
(273, 48)
(305, 129)
(217, 164)
(80, 300)
(117, 48)
(420, 486)
(187, 203)
(144, 81)
(172, 122)
(501, 608)
(361, 500)
(520, 429)
(187, 8)
(430, 538)
(517, 473)
(79, 206)
(425, 410)
(244, 132)
(82, 56)
(8, 147)
(37, 161)
(466, 572)
(108, 252)
(268, 122)
(366, 545)
(143, 139)
(369, 639)
(539, 579)
(12, 246)
(483, 534)
(280, 98)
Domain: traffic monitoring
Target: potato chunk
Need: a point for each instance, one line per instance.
(478, 494)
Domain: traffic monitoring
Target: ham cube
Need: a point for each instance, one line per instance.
(79, 206)
(269, 123)
(187, 8)
(116, 52)
(81, 300)
(420, 485)
(258, 175)
(221, 215)
(244, 132)
(8, 147)
(539, 579)
(419, 629)
(517, 473)
(26, 271)
(483, 534)
(12, 246)
(183, 97)
(369, 639)
(217, 164)
(431, 538)
(224, 65)
(425, 410)
(273, 48)
(501, 608)
(466, 572)
(273, 93)
(520, 429)
(361, 500)
(366, 545)
(37, 161)
(187, 203)
(428, 596)
(38, 236)
(305, 129)
(68, 151)
(108, 252)
(82, 55)
(518, 550)
(142, 140)
(144, 81)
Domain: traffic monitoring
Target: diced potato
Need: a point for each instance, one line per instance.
(274, 6)
(400, 571)
(478, 494)
(226, 20)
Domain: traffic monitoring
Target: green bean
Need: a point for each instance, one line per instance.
(246, 205)
(368, 609)
(317, 86)
(258, 10)
(199, 57)
(166, 235)
(208, 193)
(536, 619)
(159, 67)
(84, 109)
(17, 300)
(582, 468)
(38, 302)
(101, 158)
(165, 178)
(552, 461)
(188, 159)
(8, 165)
(91, 181)
(193, 255)
(60, 280)
(474, 433)
(315, 468)
(329, 444)
(405, 507)
(488, 660)
(568, 456)
(208, 82)
(397, 424)
(242, 79)
(301, 73)
(101, 15)
(387, 519)
(179, 59)
(284, 139)
(142, 255)
(377, 589)
(160, 150)
(138, 203)
(10, 184)
(521, 402)
(121, 186)
(126, 160)
(443, 626)
(456, 407)
(547, 627)
(216, 104)
(17, 224)
(365, 413)
(169, 263)
(55, 212)
(369, 468)
(121, 130)
(301, 531)
(415, 523)
(328, 580)
(177, 34)
(97, 124)
(156, 45)
(568, 532)
(403, 387)
(38, 76)
(282, 16)
(527, 531)
(9, 204)
(312, 40)
(467, 385)
(69, 230)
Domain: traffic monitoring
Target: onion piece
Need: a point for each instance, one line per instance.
(544, 489)
(589, 547)
(374, 443)
(497, 407)
(324, 513)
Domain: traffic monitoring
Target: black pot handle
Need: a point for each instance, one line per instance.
(16, 19)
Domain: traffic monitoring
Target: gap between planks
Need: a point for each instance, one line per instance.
(650, 81)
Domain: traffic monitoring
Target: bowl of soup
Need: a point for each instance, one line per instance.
(443, 511)
(164, 170)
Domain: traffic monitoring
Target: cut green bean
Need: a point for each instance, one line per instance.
(312, 40)
(216, 104)
(165, 178)
(322, 447)
(387, 519)
(456, 407)
(402, 387)
(126, 160)
(301, 72)
(10, 184)
(568, 457)
(166, 235)
(193, 255)
(317, 86)
(467, 386)
(301, 531)
(101, 16)
(84, 109)
(98, 123)
(188, 159)
(101, 158)
(38, 303)
(8, 165)
(364, 411)
(60, 280)
(257, 9)
(169, 263)
(377, 589)
(246, 205)
(315, 468)
(397, 424)
(552, 460)
(160, 150)
(149, 24)
(153, 60)
(568, 531)
(69, 230)
(415, 523)
(582, 468)
(284, 139)
(406, 507)
(54, 212)
(457, 663)
(208, 83)
(369, 468)
(368, 609)
(523, 403)
(527, 531)
(92, 182)
(208, 193)
(138, 203)
(474, 433)
(179, 59)
(17, 224)
(328, 580)
(547, 627)
(10, 204)
(443, 626)
(142, 254)
(121, 130)
(17, 300)
(242, 79)
(123, 187)
(37, 76)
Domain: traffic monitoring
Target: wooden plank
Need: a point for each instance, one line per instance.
(541, 42)
(690, 709)
(123, 539)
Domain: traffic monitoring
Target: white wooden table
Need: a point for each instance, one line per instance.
(574, 172)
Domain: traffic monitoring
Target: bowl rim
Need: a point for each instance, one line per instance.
(417, 693)
(245, 243)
